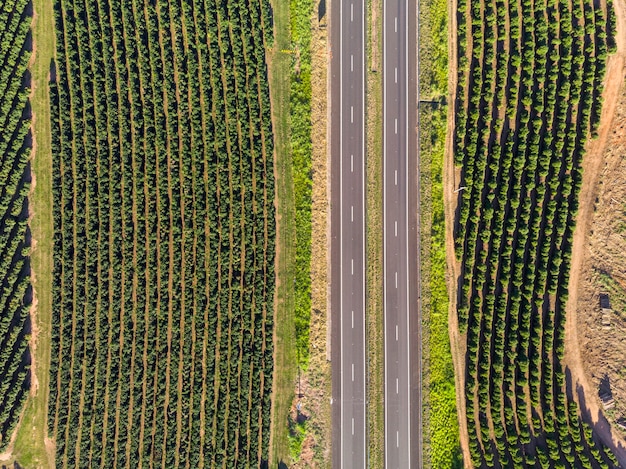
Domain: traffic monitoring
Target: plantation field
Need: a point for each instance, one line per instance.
(15, 285)
(528, 99)
(164, 224)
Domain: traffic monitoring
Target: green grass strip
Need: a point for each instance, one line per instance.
(301, 148)
(441, 432)
(30, 448)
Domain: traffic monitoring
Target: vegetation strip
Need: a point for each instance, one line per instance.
(164, 234)
(374, 243)
(441, 432)
(301, 148)
(286, 365)
(31, 447)
(529, 83)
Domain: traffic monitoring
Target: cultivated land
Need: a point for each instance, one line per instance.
(163, 186)
(15, 237)
(529, 83)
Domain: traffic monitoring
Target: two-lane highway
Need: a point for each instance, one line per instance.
(348, 233)
(400, 253)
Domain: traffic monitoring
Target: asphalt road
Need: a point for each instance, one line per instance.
(348, 232)
(400, 238)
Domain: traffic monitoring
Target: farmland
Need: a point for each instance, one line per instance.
(15, 286)
(164, 225)
(528, 98)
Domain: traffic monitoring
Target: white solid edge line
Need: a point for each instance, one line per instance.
(363, 216)
(386, 367)
(406, 191)
(341, 423)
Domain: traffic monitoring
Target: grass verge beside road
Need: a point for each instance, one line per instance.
(301, 148)
(441, 433)
(285, 367)
(290, 67)
(32, 449)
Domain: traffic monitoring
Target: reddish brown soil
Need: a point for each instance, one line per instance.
(591, 352)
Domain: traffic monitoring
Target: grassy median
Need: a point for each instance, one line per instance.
(374, 242)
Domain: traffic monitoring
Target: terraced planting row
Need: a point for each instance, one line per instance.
(15, 287)
(529, 97)
(164, 234)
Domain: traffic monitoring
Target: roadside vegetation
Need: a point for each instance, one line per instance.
(528, 99)
(301, 148)
(441, 431)
(164, 246)
(285, 366)
(15, 182)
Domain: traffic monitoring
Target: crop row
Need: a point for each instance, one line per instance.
(15, 288)
(529, 97)
(164, 234)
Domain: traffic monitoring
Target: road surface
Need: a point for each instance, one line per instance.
(400, 238)
(348, 232)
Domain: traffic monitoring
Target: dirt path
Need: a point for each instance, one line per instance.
(451, 180)
(592, 165)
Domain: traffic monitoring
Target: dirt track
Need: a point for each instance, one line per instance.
(450, 182)
(592, 165)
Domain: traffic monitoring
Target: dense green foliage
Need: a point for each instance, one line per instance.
(300, 113)
(164, 234)
(15, 289)
(530, 80)
(441, 430)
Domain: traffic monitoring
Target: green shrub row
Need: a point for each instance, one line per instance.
(162, 351)
(15, 286)
(529, 97)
